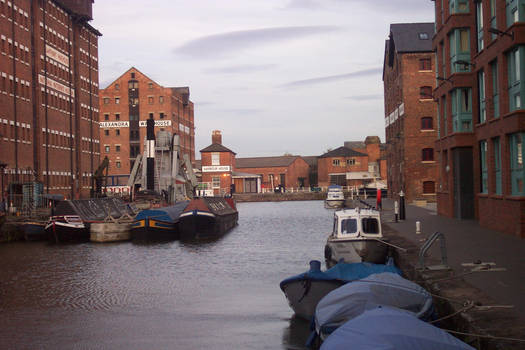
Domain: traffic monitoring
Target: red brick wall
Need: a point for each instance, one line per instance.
(405, 139)
(504, 215)
(225, 158)
(153, 98)
(298, 168)
(52, 145)
(325, 167)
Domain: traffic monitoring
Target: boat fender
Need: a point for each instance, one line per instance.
(327, 252)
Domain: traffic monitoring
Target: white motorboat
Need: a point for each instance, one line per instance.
(356, 237)
(335, 197)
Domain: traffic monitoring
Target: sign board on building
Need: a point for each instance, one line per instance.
(142, 123)
(55, 85)
(57, 56)
(401, 109)
(125, 124)
(215, 168)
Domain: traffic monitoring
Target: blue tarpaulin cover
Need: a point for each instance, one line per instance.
(381, 289)
(387, 328)
(166, 214)
(345, 272)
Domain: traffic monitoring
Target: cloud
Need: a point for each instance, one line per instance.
(220, 45)
(243, 68)
(366, 97)
(332, 78)
(383, 5)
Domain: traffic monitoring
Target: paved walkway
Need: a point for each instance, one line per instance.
(467, 242)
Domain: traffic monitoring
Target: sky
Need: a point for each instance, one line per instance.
(275, 76)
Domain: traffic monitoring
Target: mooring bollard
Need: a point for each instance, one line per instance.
(396, 210)
(401, 205)
(418, 227)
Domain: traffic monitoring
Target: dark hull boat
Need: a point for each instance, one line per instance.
(67, 228)
(158, 224)
(34, 231)
(208, 217)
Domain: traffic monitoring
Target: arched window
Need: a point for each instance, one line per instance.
(426, 123)
(427, 154)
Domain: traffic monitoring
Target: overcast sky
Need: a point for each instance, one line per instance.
(275, 76)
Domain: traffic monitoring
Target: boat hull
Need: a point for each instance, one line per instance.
(334, 203)
(154, 230)
(60, 232)
(34, 231)
(355, 250)
(304, 295)
(197, 224)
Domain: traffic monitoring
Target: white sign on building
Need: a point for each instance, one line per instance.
(215, 168)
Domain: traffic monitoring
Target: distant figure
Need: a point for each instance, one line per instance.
(378, 199)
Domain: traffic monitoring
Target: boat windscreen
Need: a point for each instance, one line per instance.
(348, 226)
(370, 225)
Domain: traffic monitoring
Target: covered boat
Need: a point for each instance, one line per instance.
(356, 237)
(335, 197)
(390, 329)
(88, 211)
(304, 291)
(158, 223)
(34, 230)
(208, 217)
(381, 289)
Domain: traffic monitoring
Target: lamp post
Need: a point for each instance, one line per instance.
(2, 170)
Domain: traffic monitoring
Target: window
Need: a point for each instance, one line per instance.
(445, 126)
(517, 171)
(461, 109)
(479, 24)
(348, 226)
(106, 116)
(458, 6)
(106, 148)
(117, 116)
(216, 182)
(118, 164)
(429, 187)
(370, 225)
(133, 101)
(161, 115)
(134, 151)
(515, 58)
(150, 85)
(215, 158)
(459, 40)
(117, 148)
(106, 132)
(134, 135)
(335, 162)
(515, 11)
(350, 161)
(496, 148)
(425, 92)
(427, 154)
(426, 123)
(423, 36)
(133, 85)
(425, 64)
(133, 117)
(495, 88)
(106, 100)
(150, 100)
(117, 86)
(117, 132)
(117, 100)
(161, 99)
(483, 166)
(150, 115)
(493, 21)
(482, 117)
(132, 75)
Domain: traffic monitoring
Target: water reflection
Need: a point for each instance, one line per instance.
(217, 294)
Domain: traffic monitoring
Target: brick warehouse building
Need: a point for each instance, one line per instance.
(480, 48)
(410, 111)
(354, 164)
(48, 95)
(126, 104)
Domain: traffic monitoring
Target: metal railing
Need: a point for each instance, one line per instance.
(426, 246)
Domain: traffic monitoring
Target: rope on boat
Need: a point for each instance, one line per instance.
(390, 244)
(484, 336)
(469, 305)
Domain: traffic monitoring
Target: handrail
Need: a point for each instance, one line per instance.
(425, 247)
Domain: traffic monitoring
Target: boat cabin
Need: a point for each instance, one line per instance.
(357, 222)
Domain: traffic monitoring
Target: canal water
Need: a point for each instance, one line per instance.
(221, 294)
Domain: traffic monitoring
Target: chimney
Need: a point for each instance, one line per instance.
(216, 137)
